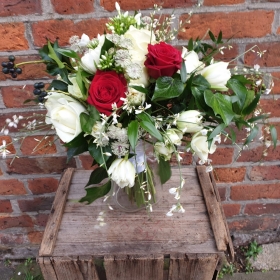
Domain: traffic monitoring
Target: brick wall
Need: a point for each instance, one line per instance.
(250, 190)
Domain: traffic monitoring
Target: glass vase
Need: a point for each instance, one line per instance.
(147, 187)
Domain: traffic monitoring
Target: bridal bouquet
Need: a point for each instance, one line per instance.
(130, 87)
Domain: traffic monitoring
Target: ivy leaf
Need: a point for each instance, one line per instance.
(94, 193)
(239, 90)
(87, 121)
(252, 106)
(96, 176)
(164, 170)
(167, 88)
(221, 105)
(98, 153)
(77, 146)
(217, 131)
(68, 53)
(59, 85)
(106, 46)
(132, 132)
(139, 88)
(150, 128)
(54, 56)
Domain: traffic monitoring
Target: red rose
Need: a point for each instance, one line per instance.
(107, 87)
(162, 60)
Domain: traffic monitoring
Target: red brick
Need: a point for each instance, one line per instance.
(270, 58)
(271, 106)
(222, 156)
(73, 6)
(12, 222)
(257, 24)
(5, 206)
(222, 2)
(86, 161)
(262, 208)
(41, 219)
(52, 30)
(30, 71)
(127, 5)
(23, 7)
(222, 193)
(42, 165)
(187, 159)
(276, 80)
(35, 237)
(36, 204)
(259, 173)
(226, 175)
(31, 146)
(228, 54)
(231, 210)
(254, 224)
(14, 96)
(255, 155)
(43, 185)
(254, 192)
(239, 134)
(12, 239)
(11, 187)
(13, 37)
(9, 145)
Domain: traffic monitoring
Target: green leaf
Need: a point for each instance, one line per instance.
(77, 146)
(53, 55)
(106, 46)
(150, 128)
(164, 170)
(77, 141)
(139, 88)
(167, 88)
(87, 121)
(212, 37)
(252, 135)
(132, 132)
(217, 131)
(145, 117)
(190, 45)
(97, 152)
(64, 75)
(220, 38)
(80, 82)
(239, 90)
(71, 152)
(94, 193)
(59, 85)
(200, 82)
(221, 105)
(96, 176)
(68, 53)
(273, 133)
(183, 72)
(252, 106)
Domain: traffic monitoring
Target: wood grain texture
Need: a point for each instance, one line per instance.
(192, 266)
(134, 267)
(214, 209)
(47, 268)
(52, 227)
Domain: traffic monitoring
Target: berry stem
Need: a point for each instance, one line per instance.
(30, 62)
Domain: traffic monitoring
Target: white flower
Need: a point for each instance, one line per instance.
(217, 75)
(189, 121)
(135, 97)
(140, 39)
(191, 61)
(199, 144)
(3, 149)
(84, 41)
(74, 89)
(101, 139)
(64, 114)
(174, 135)
(122, 172)
(91, 58)
(163, 150)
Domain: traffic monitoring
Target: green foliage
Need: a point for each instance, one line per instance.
(29, 270)
(227, 269)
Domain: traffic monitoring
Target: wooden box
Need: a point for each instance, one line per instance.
(78, 244)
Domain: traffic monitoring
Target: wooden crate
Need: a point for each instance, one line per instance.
(135, 246)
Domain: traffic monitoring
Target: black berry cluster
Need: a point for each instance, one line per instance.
(39, 91)
(8, 67)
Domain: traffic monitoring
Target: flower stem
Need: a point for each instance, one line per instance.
(30, 62)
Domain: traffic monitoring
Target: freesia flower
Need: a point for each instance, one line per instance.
(199, 144)
(190, 121)
(217, 75)
(122, 172)
(174, 135)
(163, 150)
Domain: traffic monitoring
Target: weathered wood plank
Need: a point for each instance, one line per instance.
(230, 244)
(47, 268)
(192, 266)
(214, 209)
(55, 216)
(134, 267)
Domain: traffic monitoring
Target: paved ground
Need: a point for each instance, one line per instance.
(269, 275)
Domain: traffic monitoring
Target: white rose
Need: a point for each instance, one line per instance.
(189, 121)
(199, 145)
(122, 172)
(140, 39)
(217, 75)
(175, 136)
(74, 89)
(163, 150)
(64, 114)
(92, 57)
(191, 61)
